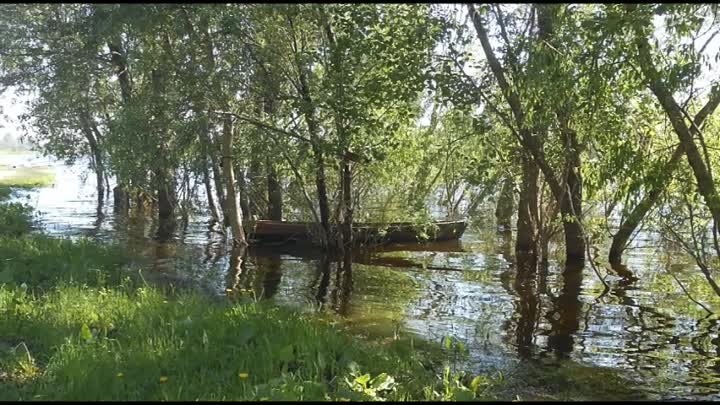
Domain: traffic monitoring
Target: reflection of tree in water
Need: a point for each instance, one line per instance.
(524, 281)
(564, 317)
(345, 284)
(270, 269)
(527, 305)
(323, 276)
(236, 270)
(340, 294)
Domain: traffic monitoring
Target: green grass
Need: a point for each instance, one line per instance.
(77, 322)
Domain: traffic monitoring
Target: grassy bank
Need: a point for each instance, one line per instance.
(77, 324)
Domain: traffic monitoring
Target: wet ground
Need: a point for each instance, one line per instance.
(649, 332)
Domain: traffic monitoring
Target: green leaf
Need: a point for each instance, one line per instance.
(475, 383)
(85, 333)
(363, 380)
(382, 382)
(448, 342)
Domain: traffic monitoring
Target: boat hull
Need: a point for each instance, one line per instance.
(366, 234)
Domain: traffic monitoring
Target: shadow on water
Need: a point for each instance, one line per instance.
(509, 311)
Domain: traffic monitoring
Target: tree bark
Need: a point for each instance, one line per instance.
(528, 213)
(219, 187)
(571, 202)
(120, 195)
(214, 213)
(347, 239)
(243, 193)
(275, 202)
(505, 203)
(97, 156)
(121, 200)
(252, 195)
(167, 201)
(236, 218)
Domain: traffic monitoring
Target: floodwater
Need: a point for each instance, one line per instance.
(649, 332)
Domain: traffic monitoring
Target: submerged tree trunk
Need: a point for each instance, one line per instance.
(236, 218)
(121, 200)
(527, 221)
(505, 204)
(571, 202)
(120, 195)
(167, 201)
(98, 163)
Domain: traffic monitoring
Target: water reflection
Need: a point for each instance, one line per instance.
(564, 318)
(527, 305)
(271, 274)
(508, 311)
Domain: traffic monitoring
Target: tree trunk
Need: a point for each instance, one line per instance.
(98, 164)
(236, 219)
(527, 221)
(322, 195)
(627, 228)
(254, 177)
(274, 193)
(243, 193)
(571, 202)
(214, 213)
(347, 239)
(220, 188)
(308, 110)
(121, 200)
(505, 204)
(166, 200)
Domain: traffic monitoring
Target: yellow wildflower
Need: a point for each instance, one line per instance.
(163, 379)
(120, 375)
(243, 375)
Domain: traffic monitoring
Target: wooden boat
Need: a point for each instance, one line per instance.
(262, 231)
